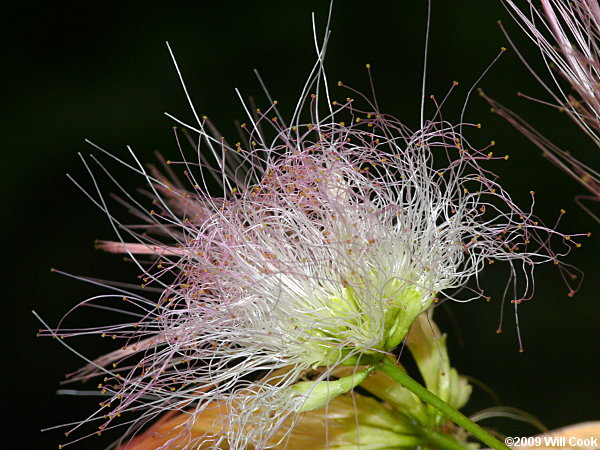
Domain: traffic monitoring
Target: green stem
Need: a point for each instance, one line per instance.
(400, 376)
(440, 440)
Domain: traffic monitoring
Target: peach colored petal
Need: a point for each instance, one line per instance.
(176, 430)
(589, 431)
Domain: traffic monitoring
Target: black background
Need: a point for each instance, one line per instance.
(103, 72)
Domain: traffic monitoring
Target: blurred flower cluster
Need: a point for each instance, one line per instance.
(567, 33)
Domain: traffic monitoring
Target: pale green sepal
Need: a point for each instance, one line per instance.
(373, 413)
(373, 438)
(322, 392)
(460, 390)
(434, 363)
(406, 304)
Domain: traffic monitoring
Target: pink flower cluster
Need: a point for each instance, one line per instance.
(309, 245)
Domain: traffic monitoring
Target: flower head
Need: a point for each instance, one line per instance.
(328, 239)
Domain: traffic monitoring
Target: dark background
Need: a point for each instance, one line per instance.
(103, 72)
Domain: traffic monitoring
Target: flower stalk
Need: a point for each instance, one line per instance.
(400, 376)
(439, 440)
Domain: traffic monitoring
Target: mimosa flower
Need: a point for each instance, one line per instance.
(326, 241)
